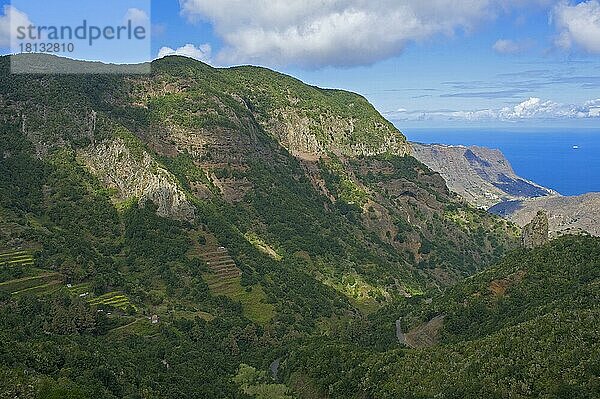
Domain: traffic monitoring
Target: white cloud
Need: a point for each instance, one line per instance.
(579, 25)
(137, 17)
(17, 18)
(594, 108)
(202, 53)
(535, 108)
(506, 46)
(317, 33)
(531, 109)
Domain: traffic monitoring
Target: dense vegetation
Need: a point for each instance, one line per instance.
(532, 336)
(58, 344)
(100, 297)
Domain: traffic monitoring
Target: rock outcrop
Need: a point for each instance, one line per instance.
(566, 215)
(535, 234)
(134, 174)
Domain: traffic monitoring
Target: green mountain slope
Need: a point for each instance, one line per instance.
(242, 208)
(526, 327)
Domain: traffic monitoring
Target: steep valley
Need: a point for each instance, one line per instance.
(171, 235)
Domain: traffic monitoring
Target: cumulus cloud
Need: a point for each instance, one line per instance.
(535, 108)
(317, 33)
(17, 18)
(202, 53)
(594, 108)
(506, 46)
(579, 25)
(531, 109)
(137, 17)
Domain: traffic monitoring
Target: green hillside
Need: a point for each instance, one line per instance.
(535, 335)
(159, 231)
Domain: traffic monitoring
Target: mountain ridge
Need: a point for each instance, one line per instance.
(212, 126)
(177, 225)
(485, 178)
(482, 176)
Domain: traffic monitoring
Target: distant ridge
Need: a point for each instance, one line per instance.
(566, 215)
(482, 176)
(485, 178)
(38, 63)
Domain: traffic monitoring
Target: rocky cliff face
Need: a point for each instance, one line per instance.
(310, 138)
(535, 233)
(134, 174)
(485, 178)
(482, 176)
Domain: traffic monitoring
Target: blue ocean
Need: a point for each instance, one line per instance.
(566, 160)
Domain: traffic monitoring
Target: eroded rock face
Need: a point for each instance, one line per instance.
(134, 174)
(308, 137)
(536, 233)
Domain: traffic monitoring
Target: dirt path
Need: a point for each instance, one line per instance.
(399, 334)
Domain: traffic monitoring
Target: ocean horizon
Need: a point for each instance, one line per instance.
(564, 159)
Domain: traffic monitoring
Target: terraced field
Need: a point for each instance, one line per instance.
(79, 289)
(116, 300)
(113, 299)
(31, 280)
(40, 284)
(224, 274)
(16, 258)
(38, 281)
(224, 278)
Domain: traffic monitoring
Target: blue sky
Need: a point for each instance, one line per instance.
(422, 64)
